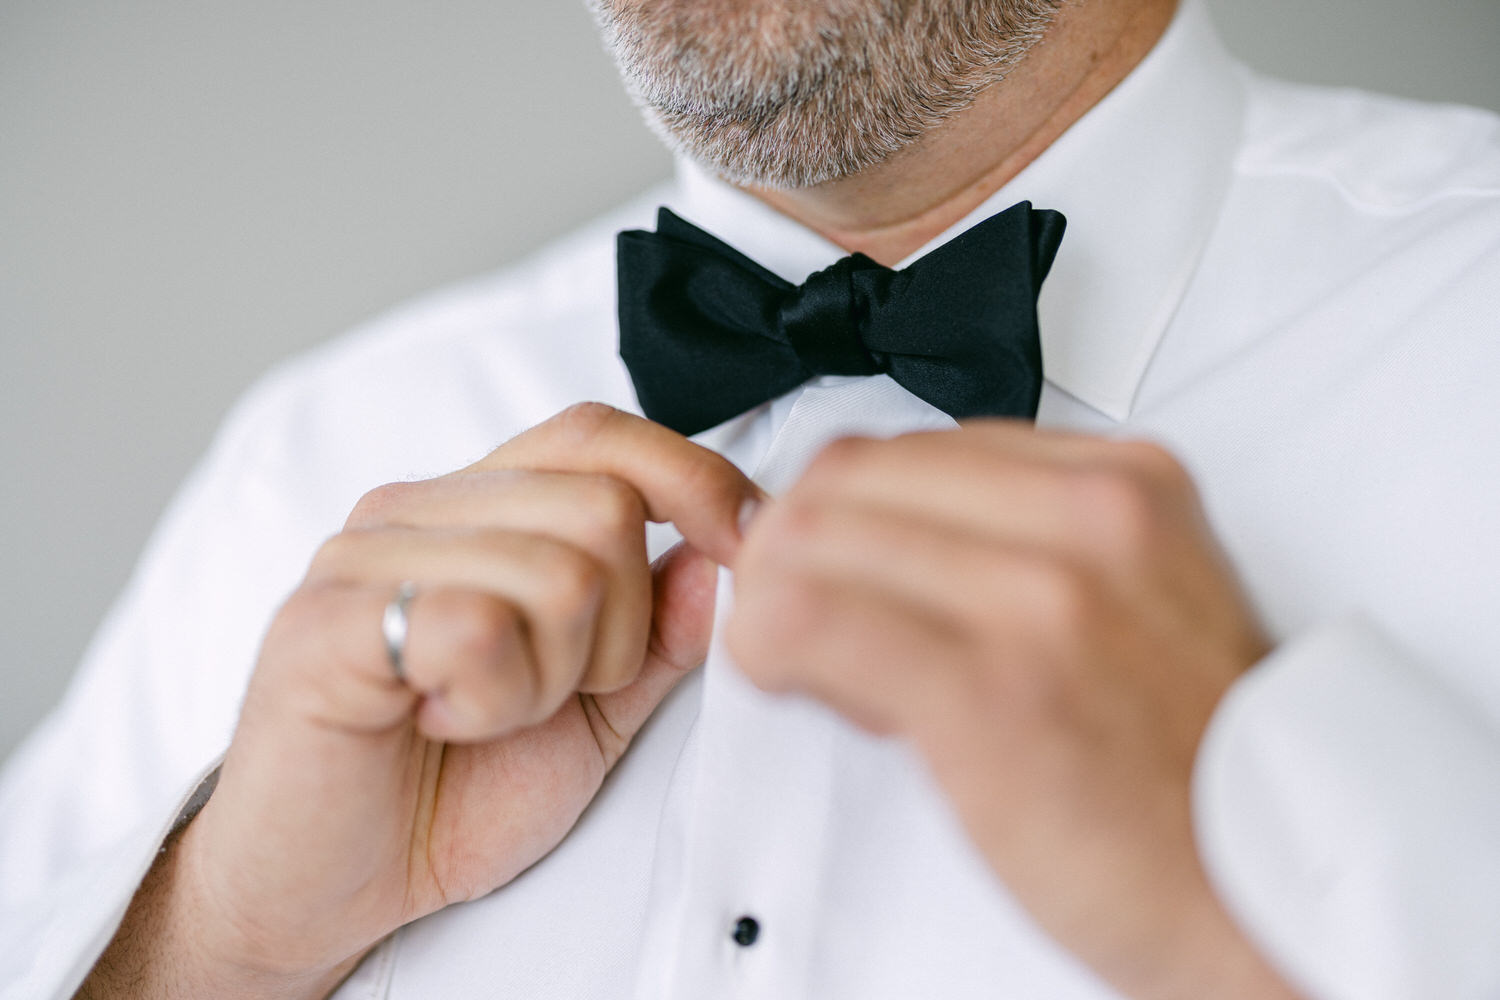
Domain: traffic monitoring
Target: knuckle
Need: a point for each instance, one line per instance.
(708, 475)
(1062, 595)
(585, 420)
(798, 520)
(572, 587)
(615, 508)
(836, 460)
(1123, 509)
(1154, 464)
(308, 657)
(481, 628)
(335, 556)
(380, 505)
(484, 636)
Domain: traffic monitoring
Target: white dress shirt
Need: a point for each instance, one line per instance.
(1296, 290)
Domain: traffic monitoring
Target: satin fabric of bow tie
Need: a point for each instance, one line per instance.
(707, 333)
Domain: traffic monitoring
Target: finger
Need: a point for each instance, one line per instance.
(684, 583)
(1023, 438)
(951, 574)
(1028, 607)
(557, 589)
(1088, 508)
(596, 513)
(947, 475)
(586, 508)
(468, 671)
(699, 491)
(883, 664)
(469, 657)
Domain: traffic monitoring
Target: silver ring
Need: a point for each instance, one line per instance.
(394, 625)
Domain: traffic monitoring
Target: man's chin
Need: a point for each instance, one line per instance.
(797, 148)
(846, 85)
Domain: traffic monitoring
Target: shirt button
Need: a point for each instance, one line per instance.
(746, 930)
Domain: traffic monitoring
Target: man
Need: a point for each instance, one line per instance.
(985, 711)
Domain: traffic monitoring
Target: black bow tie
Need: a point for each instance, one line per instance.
(707, 333)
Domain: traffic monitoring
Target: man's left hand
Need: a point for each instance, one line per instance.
(1047, 619)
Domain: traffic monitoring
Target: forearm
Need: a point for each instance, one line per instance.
(170, 946)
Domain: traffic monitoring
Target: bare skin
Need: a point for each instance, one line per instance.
(351, 804)
(1082, 710)
(1072, 650)
(894, 209)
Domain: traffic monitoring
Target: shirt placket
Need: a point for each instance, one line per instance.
(736, 898)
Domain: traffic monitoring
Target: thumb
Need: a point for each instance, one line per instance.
(683, 584)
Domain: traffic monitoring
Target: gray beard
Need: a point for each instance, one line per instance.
(792, 93)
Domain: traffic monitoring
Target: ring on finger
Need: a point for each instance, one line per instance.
(395, 625)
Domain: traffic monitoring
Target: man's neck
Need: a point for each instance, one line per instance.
(890, 211)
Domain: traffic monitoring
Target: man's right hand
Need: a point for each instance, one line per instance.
(351, 803)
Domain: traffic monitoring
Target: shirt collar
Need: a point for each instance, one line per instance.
(1141, 178)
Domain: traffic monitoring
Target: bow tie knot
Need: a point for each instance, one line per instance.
(823, 320)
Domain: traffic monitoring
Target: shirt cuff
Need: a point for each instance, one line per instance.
(49, 952)
(1347, 806)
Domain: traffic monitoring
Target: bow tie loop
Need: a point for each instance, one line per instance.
(824, 318)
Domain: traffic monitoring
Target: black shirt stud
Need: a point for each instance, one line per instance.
(746, 931)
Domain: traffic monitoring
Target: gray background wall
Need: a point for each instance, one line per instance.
(189, 191)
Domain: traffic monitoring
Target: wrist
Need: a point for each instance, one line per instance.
(174, 942)
(243, 955)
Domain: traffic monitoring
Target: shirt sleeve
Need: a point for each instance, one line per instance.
(1348, 809)
(53, 943)
(89, 796)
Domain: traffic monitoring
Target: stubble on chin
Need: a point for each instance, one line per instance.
(792, 93)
